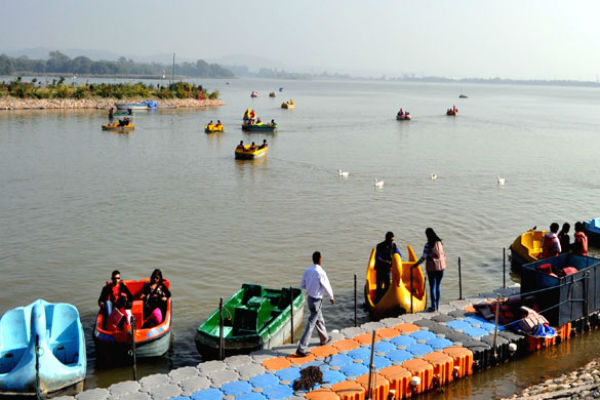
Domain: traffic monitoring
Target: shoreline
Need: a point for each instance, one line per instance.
(582, 383)
(14, 103)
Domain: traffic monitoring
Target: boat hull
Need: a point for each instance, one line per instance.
(398, 298)
(403, 118)
(592, 230)
(274, 333)
(288, 106)
(62, 355)
(119, 129)
(136, 106)
(259, 128)
(247, 154)
(155, 347)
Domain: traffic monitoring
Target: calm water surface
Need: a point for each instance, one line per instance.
(78, 202)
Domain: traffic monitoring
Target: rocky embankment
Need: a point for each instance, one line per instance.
(14, 103)
(580, 384)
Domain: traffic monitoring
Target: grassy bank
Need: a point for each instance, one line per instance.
(19, 95)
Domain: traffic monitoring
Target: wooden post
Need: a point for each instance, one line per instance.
(369, 395)
(504, 267)
(291, 316)
(496, 325)
(459, 280)
(221, 344)
(411, 289)
(133, 351)
(355, 304)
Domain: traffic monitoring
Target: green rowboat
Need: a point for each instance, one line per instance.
(259, 127)
(254, 318)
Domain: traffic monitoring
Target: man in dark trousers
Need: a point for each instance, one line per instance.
(383, 264)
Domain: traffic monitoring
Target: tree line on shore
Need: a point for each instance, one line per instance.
(59, 63)
(58, 89)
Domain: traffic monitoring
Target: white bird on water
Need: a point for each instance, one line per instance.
(501, 181)
(433, 176)
(343, 174)
(378, 183)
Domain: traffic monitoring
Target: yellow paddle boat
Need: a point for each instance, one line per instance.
(212, 128)
(247, 152)
(119, 126)
(397, 299)
(288, 104)
(526, 248)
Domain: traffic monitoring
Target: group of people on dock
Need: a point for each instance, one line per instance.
(115, 301)
(555, 242)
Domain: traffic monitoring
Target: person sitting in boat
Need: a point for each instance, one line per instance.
(550, 243)
(219, 123)
(264, 144)
(240, 146)
(155, 295)
(252, 147)
(115, 297)
(210, 123)
(454, 109)
(122, 122)
(401, 112)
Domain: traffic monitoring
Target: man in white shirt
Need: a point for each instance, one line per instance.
(315, 282)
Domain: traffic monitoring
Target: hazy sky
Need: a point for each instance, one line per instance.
(521, 39)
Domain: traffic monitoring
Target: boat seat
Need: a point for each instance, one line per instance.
(252, 317)
(137, 309)
(251, 290)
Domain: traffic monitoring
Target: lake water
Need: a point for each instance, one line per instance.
(78, 202)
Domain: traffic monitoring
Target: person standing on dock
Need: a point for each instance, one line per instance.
(550, 242)
(383, 264)
(435, 264)
(315, 282)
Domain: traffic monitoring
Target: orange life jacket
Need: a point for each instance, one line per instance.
(582, 243)
(548, 247)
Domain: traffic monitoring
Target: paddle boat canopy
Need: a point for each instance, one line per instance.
(52, 335)
(526, 248)
(149, 341)
(401, 294)
(255, 318)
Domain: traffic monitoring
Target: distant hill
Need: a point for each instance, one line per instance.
(42, 53)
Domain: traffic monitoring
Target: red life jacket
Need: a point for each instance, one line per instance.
(581, 241)
(548, 248)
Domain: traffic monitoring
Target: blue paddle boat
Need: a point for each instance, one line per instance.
(592, 230)
(42, 346)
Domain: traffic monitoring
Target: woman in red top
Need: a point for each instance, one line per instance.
(114, 295)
